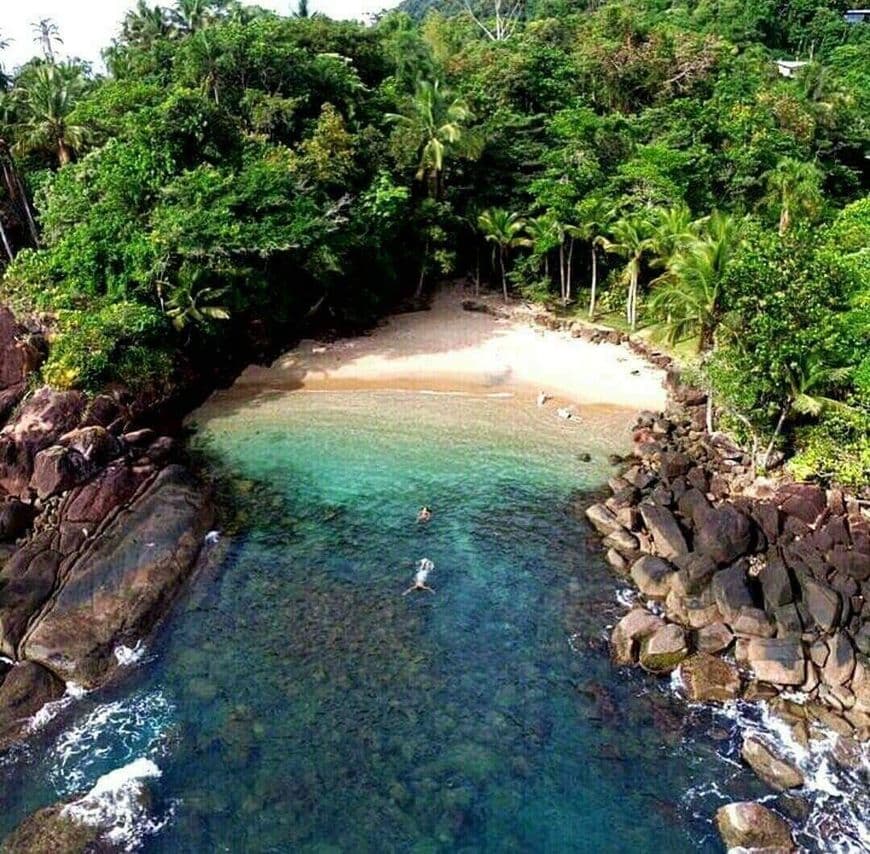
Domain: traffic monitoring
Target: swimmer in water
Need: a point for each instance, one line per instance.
(424, 514)
(424, 567)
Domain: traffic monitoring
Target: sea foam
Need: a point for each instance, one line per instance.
(118, 804)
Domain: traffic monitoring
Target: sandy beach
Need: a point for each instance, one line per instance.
(449, 349)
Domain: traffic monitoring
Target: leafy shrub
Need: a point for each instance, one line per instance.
(837, 448)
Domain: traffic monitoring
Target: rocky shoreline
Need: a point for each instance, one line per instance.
(749, 589)
(99, 528)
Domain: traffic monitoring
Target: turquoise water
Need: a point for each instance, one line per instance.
(296, 701)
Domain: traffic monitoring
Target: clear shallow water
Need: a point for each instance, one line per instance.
(295, 701)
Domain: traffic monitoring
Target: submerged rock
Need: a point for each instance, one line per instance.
(773, 768)
(748, 825)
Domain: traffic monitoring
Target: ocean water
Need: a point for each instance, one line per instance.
(296, 701)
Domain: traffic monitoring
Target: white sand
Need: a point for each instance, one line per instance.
(449, 349)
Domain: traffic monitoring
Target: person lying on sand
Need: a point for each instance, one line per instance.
(424, 514)
(542, 398)
(424, 567)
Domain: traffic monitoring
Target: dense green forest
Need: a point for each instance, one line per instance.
(641, 162)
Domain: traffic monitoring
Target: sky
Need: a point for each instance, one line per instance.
(87, 26)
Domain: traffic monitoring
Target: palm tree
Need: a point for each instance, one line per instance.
(632, 238)
(145, 24)
(674, 229)
(47, 96)
(807, 380)
(189, 16)
(544, 236)
(592, 216)
(47, 34)
(438, 120)
(688, 296)
(795, 187)
(505, 231)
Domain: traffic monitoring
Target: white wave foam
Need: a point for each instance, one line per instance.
(626, 596)
(127, 657)
(212, 538)
(123, 729)
(51, 710)
(118, 805)
(839, 799)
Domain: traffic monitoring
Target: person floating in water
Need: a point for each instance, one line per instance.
(424, 514)
(424, 567)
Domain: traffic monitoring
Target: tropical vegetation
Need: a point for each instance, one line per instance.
(235, 176)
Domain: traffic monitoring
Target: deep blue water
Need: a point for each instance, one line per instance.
(296, 701)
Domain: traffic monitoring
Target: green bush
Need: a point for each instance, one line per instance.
(837, 449)
(121, 342)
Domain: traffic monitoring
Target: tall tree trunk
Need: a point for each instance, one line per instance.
(502, 258)
(64, 153)
(594, 284)
(419, 292)
(562, 283)
(477, 275)
(705, 338)
(782, 416)
(784, 220)
(570, 263)
(6, 245)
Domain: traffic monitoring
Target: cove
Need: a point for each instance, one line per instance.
(296, 701)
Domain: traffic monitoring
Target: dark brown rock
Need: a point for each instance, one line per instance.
(716, 637)
(667, 537)
(653, 576)
(823, 604)
(804, 501)
(15, 518)
(116, 590)
(96, 445)
(58, 469)
(730, 591)
(840, 663)
(723, 533)
(776, 582)
(42, 420)
(25, 690)
(664, 649)
(753, 622)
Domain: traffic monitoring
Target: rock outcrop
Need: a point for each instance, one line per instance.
(775, 571)
(750, 826)
(97, 533)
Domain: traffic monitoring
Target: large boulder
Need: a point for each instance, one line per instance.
(706, 678)
(42, 420)
(602, 519)
(57, 469)
(662, 651)
(694, 573)
(628, 633)
(750, 826)
(840, 662)
(723, 533)
(716, 637)
(823, 604)
(18, 358)
(653, 576)
(779, 661)
(804, 501)
(731, 591)
(116, 588)
(25, 690)
(776, 582)
(770, 765)
(668, 539)
(26, 582)
(15, 518)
